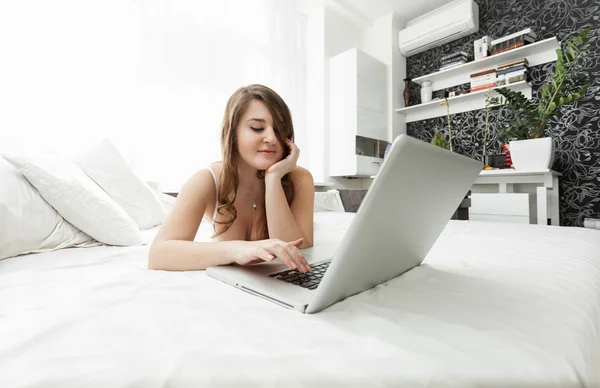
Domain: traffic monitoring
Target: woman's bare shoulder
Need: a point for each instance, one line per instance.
(216, 167)
(200, 186)
(300, 173)
(301, 177)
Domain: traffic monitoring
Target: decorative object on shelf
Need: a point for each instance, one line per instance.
(426, 92)
(407, 92)
(481, 47)
(567, 84)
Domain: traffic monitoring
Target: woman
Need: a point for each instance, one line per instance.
(257, 204)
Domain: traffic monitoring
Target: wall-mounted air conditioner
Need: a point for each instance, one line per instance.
(452, 21)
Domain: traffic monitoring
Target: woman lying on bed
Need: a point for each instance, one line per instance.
(256, 204)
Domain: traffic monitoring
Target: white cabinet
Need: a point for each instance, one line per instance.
(516, 196)
(501, 207)
(358, 114)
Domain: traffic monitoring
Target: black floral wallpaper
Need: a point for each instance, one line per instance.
(576, 131)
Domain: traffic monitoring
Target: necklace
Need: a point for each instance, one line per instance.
(254, 200)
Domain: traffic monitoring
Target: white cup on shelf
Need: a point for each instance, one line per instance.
(426, 92)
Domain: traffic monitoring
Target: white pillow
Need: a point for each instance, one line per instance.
(77, 198)
(167, 201)
(105, 165)
(329, 201)
(27, 223)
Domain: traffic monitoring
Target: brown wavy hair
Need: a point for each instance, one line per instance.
(229, 179)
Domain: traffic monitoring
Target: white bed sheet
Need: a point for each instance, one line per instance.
(493, 305)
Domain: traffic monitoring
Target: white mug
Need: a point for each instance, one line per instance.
(426, 92)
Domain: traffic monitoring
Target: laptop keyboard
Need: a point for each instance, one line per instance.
(308, 280)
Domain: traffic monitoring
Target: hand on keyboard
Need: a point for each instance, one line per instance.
(306, 280)
(247, 252)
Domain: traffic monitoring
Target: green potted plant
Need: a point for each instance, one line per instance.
(530, 148)
(447, 103)
(490, 102)
(439, 138)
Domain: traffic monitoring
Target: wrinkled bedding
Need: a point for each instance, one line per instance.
(492, 305)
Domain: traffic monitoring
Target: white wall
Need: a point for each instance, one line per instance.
(330, 33)
(380, 40)
(315, 89)
(153, 75)
(341, 34)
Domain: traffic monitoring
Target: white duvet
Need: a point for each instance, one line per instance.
(493, 305)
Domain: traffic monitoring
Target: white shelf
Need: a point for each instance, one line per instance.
(324, 184)
(512, 171)
(463, 103)
(536, 53)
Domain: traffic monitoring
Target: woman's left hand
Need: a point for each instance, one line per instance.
(284, 166)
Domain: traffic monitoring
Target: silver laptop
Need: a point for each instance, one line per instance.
(417, 190)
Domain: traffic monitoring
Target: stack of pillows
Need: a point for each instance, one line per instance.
(48, 202)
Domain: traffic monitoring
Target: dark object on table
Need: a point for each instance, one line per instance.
(495, 161)
(462, 213)
(352, 198)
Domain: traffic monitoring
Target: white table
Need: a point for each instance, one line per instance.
(547, 192)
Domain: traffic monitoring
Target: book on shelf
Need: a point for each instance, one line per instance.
(516, 66)
(453, 60)
(520, 61)
(518, 41)
(490, 85)
(483, 82)
(511, 80)
(526, 32)
(483, 78)
(512, 70)
(513, 74)
(455, 54)
(485, 72)
(517, 78)
(512, 46)
(450, 66)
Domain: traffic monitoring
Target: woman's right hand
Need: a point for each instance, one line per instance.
(248, 252)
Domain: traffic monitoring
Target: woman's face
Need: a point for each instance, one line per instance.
(257, 143)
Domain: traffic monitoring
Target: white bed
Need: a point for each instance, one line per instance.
(493, 305)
